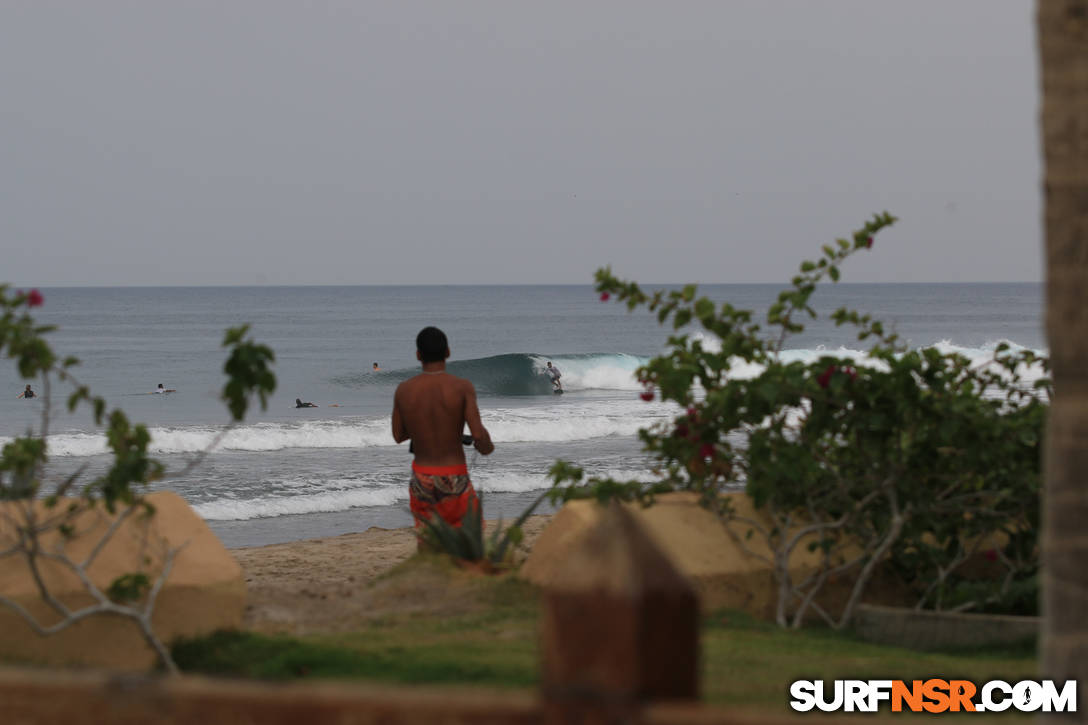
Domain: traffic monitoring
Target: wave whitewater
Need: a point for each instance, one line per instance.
(552, 423)
(306, 497)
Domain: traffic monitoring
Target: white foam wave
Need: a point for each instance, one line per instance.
(517, 427)
(270, 506)
(708, 342)
(739, 369)
(611, 372)
(553, 423)
(978, 356)
(258, 437)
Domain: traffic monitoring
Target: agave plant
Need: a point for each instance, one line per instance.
(467, 542)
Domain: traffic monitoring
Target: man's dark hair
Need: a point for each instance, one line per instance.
(432, 345)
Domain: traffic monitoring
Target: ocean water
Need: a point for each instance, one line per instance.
(288, 473)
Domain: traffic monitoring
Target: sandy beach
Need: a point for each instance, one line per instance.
(335, 584)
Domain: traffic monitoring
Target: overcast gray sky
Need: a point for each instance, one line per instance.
(352, 142)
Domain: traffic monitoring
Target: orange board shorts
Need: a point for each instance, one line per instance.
(445, 490)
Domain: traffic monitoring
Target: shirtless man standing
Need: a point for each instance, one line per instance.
(432, 409)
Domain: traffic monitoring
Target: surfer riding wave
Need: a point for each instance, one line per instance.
(553, 373)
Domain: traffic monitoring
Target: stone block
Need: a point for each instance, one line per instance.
(927, 630)
(726, 569)
(205, 590)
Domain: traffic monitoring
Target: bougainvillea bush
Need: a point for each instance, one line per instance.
(915, 461)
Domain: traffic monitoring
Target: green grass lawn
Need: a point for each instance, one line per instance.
(745, 662)
(749, 662)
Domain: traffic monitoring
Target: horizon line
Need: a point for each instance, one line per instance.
(75, 285)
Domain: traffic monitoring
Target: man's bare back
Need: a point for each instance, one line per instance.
(432, 409)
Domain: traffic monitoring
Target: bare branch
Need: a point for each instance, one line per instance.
(65, 485)
(160, 581)
(54, 521)
(79, 571)
(68, 620)
(31, 555)
(743, 543)
(898, 519)
(108, 535)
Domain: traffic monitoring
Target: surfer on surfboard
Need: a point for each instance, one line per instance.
(161, 389)
(554, 374)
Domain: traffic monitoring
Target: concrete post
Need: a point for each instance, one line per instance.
(619, 629)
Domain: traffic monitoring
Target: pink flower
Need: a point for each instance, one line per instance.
(991, 555)
(870, 244)
(647, 395)
(34, 298)
(825, 377)
(605, 297)
(706, 450)
(693, 413)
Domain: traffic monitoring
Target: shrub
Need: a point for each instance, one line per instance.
(909, 456)
(466, 542)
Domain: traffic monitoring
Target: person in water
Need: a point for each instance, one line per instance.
(554, 374)
(432, 410)
(376, 368)
(300, 404)
(161, 389)
(28, 394)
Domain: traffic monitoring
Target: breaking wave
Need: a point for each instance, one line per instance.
(547, 423)
(523, 373)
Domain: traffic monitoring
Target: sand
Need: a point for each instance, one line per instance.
(335, 584)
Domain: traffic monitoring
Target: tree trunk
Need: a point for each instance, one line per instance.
(1063, 46)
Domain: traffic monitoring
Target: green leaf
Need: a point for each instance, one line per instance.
(704, 308)
(128, 588)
